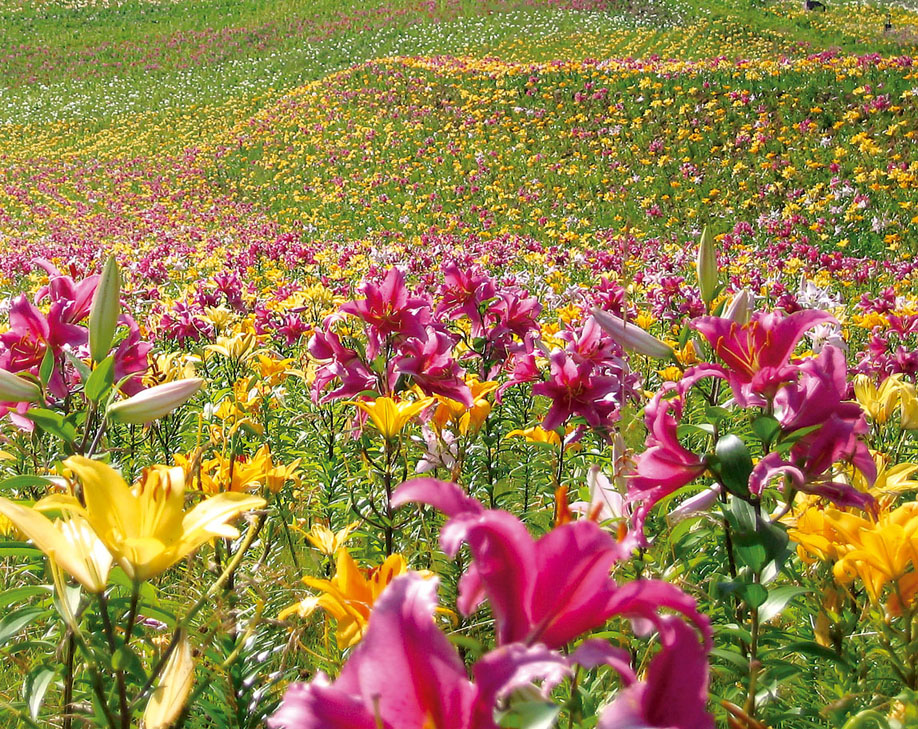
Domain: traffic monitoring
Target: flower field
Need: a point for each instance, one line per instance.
(458, 364)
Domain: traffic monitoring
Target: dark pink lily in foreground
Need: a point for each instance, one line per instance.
(674, 691)
(549, 590)
(405, 674)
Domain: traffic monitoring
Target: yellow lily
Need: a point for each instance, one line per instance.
(236, 348)
(465, 419)
(170, 368)
(69, 543)
(887, 552)
(890, 480)
(908, 412)
(391, 416)
(879, 403)
(327, 541)
(536, 434)
(219, 316)
(273, 370)
(879, 553)
(349, 596)
(146, 528)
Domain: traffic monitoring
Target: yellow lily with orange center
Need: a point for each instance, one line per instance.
(245, 473)
(878, 553)
(349, 596)
(146, 528)
(274, 371)
(391, 416)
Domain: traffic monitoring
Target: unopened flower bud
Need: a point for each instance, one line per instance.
(739, 308)
(155, 402)
(14, 388)
(106, 307)
(632, 337)
(173, 689)
(706, 267)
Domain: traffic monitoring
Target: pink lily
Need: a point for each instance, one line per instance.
(463, 293)
(817, 399)
(405, 674)
(674, 691)
(76, 297)
(549, 590)
(666, 465)
(757, 354)
(389, 310)
(575, 389)
(338, 362)
(428, 359)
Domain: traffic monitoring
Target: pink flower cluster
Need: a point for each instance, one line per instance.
(544, 594)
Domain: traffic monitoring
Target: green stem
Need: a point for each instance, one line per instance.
(196, 608)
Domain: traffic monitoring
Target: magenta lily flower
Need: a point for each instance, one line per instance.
(549, 590)
(575, 389)
(405, 674)
(816, 398)
(757, 354)
(389, 310)
(463, 293)
(674, 691)
(666, 465)
(338, 362)
(429, 361)
(76, 297)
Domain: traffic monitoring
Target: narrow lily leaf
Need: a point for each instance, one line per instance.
(101, 380)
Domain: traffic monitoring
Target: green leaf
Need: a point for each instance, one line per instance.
(712, 412)
(810, 648)
(754, 595)
(734, 464)
(530, 715)
(14, 483)
(36, 688)
(778, 599)
(15, 621)
(766, 427)
(101, 380)
(731, 657)
(79, 365)
(46, 367)
(53, 423)
(18, 594)
(685, 429)
(19, 549)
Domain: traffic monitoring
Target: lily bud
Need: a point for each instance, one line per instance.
(738, 310)
(174, 686)
(14, 388)
(632, 337)
(106, 307)
(154, 403)
(706, 267)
